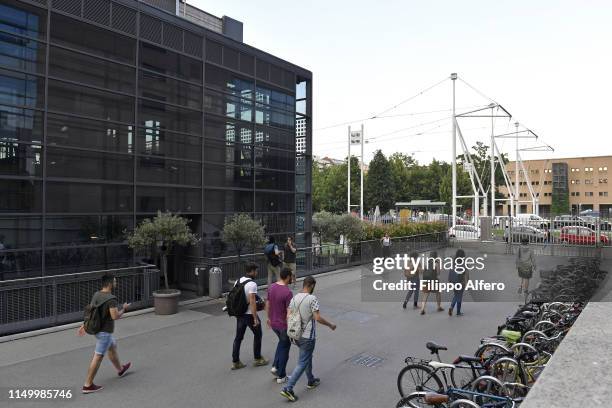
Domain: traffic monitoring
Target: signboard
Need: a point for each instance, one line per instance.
(356, 137)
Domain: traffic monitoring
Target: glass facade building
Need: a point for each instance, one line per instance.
(113, 110)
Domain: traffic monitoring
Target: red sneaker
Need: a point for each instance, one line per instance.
(124, 369)
(92, 388)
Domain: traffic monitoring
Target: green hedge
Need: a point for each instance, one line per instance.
(377, 231)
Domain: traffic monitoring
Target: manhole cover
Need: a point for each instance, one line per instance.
(366, 360)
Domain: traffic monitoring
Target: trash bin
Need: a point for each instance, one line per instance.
(215, 282)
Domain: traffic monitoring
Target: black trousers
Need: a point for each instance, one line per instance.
(242, 322)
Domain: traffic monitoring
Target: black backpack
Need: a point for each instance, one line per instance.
(237, 303)
(92, 318)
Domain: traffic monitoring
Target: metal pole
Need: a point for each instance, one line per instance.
(492, 168)
(348, 166)
(454, 158)
(361, 189)
(516, 176)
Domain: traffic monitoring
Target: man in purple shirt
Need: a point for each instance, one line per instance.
(279, 296)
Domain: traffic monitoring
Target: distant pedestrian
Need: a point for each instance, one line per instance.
(307, 306)
(386, 245)
(248, 319)
(101, 314)
(289, 252)
(458, 275)
(431, 275)
(507, 233)
(413, 276)
(273, 260)
(279, 298)
(525, 265)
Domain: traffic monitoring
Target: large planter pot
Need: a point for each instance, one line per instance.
(165, 301)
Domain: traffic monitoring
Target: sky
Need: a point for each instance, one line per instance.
(547, 62)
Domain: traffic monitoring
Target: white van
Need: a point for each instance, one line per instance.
(533, 220)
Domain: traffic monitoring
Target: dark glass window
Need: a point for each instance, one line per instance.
(265, 115)
(263, 70)
(88, 198)
(273, 202)
(230, 106)
(88, 165)
(159, 142)
(277, 223)
(159, 116)
(165, 89)
(23, 19)
(170, 63)
(274, 159)
(21, 53)
(89, 229)
(274, 180)
(20, 232)
(20, 159)
(231, 58)
(228, 176)
(75, 99)
(160, 170)
(228, 200)
(22, 125)
(61, 261)
(228, 153)
(20, 196)
(89, 38)
(247, 64)
(21, 89)
(86, 133)
(79, 67)
(152, 199)
(229, 82)
(21, 264)
(265, 136)
(214, 52)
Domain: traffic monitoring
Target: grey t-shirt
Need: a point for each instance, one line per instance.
(109, 301)
(308, 305)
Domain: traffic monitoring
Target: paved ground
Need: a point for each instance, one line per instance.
(183, 360)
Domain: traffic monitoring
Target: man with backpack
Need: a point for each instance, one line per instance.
(100, 316)
(279, 297)
(273, 260)
(301, 328)
(242, 303)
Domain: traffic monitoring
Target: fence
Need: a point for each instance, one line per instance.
(315, 259)
(33, 303)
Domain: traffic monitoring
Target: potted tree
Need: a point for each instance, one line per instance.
(241, 231)
(352, 230)
(324, 225)
(163, 232)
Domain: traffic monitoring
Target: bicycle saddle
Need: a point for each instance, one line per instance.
(434, 348)
(435, 399)
(466, 359)
(528, 313)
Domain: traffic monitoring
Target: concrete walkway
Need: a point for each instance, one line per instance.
(183, 360)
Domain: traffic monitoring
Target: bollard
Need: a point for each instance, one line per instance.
(200, 277)
(215, 279)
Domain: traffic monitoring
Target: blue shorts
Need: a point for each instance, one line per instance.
(104, 341)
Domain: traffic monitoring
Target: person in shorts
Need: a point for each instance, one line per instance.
(105, 342)
(289, 252)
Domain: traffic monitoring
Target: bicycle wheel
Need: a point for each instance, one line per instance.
(507, 369)
(464, 403)
(416, 378)
(461, 376)
(415, 400)
(489, 351)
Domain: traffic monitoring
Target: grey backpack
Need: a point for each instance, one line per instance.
(295, 328)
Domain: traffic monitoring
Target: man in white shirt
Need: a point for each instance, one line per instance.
(250, 320)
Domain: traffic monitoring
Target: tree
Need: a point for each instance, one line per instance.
(324, 224)
(401, 165)
(379, 186)
(329, 185)
(240, 231)
(464, 187)
(164, 231)
(352, 228)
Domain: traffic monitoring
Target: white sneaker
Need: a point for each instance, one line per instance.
(282, 380)
(274, 371)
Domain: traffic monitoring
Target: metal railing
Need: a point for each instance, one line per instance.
(34, 303)
(312, 260)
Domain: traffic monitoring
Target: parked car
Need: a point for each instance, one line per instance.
(464, 232)
(448, 219)
(500, 221)
(533, 234)
(592, 222)
(531, 219)
(576, 235)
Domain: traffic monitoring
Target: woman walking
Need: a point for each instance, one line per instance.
(386, 245)
(431, 275)
(525, 264)
(459, 274)
(413, 276)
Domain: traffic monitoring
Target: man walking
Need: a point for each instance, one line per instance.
(289, 258)
(273, 260)
(279, 297)
(248, 319)
(307, 306)
(106, 305)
